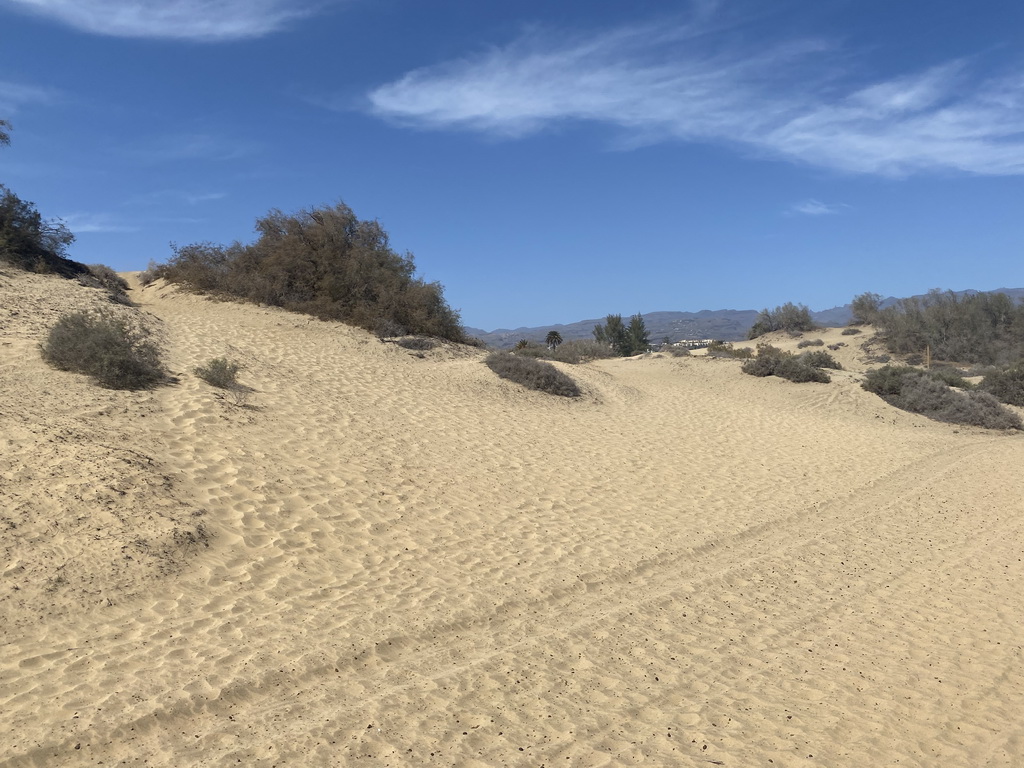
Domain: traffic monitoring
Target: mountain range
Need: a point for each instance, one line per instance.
(722, 324)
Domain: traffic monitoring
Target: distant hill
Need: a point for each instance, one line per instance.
(722, 324)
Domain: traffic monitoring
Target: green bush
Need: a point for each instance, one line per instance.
(772, 361)
(1007, 385)
(323, 262)
(788, 317)
(917, 391)
(106, 347)
(819, 358)
(532, 373)
(981, 328)
(220, 372)
(796, 370)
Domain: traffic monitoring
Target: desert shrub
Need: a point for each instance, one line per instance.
(796, 370)
(772, 361)
(725, 349)
(149, 274)
(220, 372)
(30, 242)
(851, 331)
(819, 358)
(103, 277)
(950, 377)
(105, 347)
(417, 343)
(760, 366)
(810, 343)
(1007, 385)
(532, 373)
(887, 381)
(982, 328)
(323, 262)
(387, 328)
(932, 398)
(917, 391)
(788, 317)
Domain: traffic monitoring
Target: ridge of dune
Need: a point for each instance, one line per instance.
(408, 561)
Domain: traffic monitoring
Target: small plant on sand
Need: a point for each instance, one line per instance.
(810, 343)
(851, 331)
(219, 372)
(115, 353)
(532, 373)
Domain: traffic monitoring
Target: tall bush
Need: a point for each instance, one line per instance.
(324, 262)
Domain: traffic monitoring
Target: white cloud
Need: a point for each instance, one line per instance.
(203, 20)
(816, 208)
(658, 84)
(15, 95)
(84, 223)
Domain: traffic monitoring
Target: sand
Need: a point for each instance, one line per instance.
(386, 559)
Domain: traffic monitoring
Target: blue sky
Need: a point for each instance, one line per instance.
(546, 161)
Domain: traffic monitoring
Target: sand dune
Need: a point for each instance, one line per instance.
(386, 559)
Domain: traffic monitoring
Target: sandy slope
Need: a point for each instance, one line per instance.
(411, 562)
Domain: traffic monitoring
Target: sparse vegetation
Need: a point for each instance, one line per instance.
(726, 349)
(851, 331)
(917, 391)
(788, 317)
(103, 277)
(323, 262)
(219, 372)
(532, 373)
(106, 347)
(810, 343)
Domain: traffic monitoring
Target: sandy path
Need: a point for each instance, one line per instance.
(415, 563)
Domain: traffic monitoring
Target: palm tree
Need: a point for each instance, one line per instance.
(554, 339)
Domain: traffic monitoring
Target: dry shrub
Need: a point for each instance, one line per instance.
(810, 343)
(917, 391)
(532, 373)
(106, 347)
(851, 331)
(1006, 385)
(219, 372)
(772, 361)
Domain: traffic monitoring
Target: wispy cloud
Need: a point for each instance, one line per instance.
(202, 20)
(189, 146)
(669, 83)
(84, 223)
(816, 208)
(13, 96)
